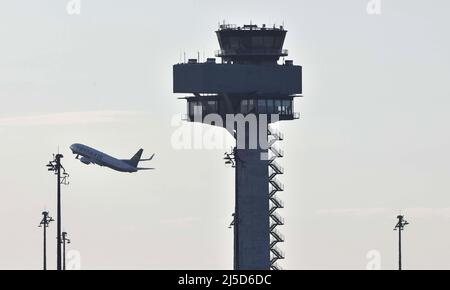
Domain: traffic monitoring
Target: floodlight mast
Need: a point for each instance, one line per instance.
(55, 166)
(46, 219)
(400, 226)
(65, 241)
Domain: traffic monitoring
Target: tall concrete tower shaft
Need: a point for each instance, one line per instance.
(244, 93)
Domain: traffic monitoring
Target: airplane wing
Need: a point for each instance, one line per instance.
(151, 157)
(141, 168)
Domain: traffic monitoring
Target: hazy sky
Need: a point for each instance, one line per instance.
(373, 138)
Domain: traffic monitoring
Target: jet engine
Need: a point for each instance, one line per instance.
(85, 160)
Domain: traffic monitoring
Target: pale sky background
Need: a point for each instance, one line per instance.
(373, 138)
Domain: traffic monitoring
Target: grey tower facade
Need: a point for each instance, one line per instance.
(244, 93)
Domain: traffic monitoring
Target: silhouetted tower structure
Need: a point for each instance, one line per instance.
(65, 241)
(244, 93)
(400, 227)
(61, 178)
(46, 220)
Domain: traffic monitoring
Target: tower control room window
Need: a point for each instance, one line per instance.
(234, 43)
(266, 106)
(262, 109)
(194, 107)
(287, 105)
(257, 42)
(206, 107)
(212, 107)
(270, 107)
(278, 107)
(269, 42)
(244, 106)
(251, 106)
(278, 42)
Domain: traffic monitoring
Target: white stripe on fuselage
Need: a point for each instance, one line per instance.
(101, 158)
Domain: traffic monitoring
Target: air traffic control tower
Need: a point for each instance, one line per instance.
(250, 87)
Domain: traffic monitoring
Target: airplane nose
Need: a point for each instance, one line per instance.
(72, 147)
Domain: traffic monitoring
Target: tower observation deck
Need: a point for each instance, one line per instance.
(245, 92)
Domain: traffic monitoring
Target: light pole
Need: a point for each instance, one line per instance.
(64, 241)
(46, 219)
(400, 227)
(56, 167)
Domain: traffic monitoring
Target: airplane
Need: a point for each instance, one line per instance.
(92, 156)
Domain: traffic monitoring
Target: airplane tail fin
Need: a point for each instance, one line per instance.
(136, 158)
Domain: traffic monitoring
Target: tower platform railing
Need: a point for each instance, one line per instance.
(252, 52)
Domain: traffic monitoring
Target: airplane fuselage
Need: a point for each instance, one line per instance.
(91, 155)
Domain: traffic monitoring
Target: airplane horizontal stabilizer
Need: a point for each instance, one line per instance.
(151, 157)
